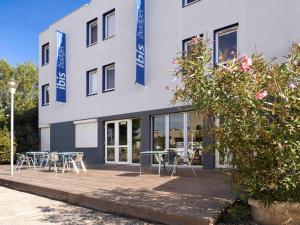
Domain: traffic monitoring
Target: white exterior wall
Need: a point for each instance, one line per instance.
(45, 139)
(267, 25)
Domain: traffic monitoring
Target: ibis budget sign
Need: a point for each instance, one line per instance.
(61, 72)
(140, 42)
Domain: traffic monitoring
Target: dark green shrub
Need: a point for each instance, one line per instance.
(4, 146)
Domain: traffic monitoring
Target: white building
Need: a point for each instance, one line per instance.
(110, 117)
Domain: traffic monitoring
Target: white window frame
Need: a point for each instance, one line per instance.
(117, 145)
(106, 68)
(45, 89)
(221, 33)
(106, 17)
(92, 73)
(90, 25)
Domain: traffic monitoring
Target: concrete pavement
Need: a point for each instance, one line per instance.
(19, 208)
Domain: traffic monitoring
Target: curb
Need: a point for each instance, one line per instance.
(117, 208)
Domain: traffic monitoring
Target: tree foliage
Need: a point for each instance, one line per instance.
(26, 104)
(258, 104)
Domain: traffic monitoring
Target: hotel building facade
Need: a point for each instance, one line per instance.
(104, 70)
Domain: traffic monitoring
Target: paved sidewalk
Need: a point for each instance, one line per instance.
(18, 208)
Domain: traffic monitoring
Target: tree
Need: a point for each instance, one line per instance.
(258, 104)
(26, 103)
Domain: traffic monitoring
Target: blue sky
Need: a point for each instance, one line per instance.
(22, 20)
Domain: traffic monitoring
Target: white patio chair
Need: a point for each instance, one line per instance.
(76, 161)
(179, 159)
(44, 159)
(163, 160)
(53, 160)
(23, 159)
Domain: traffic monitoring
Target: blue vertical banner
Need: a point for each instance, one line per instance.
(61, 75)
(140, 42)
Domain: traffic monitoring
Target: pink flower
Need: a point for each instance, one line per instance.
(246, 63)
(292, 86)
(175, 61)
(195, 40)
(261, 95)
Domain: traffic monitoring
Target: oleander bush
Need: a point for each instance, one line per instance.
(257, 102)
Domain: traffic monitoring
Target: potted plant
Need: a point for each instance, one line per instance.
(258, 105)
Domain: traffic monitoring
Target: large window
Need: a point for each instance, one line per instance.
(176, 131)
(181, 132)
(45, 54)
(92, 32)
(159, 133)
(109, 24)
(226, 44)
(91, 79)
(195, 136)
(45, 95)
(136, 140)
(188, 2)
(109, 78)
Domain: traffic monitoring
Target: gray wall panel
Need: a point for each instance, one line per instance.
(63, 137)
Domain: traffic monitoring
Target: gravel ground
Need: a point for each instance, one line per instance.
(18, 208)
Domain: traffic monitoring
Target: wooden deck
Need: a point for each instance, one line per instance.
(121, 190)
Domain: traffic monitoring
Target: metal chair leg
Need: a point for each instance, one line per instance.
(174, 169)
(83, 166)
(192, 168)
(75, 167)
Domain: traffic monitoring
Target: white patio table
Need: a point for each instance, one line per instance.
(159, 155)
(68, 155)
(35, 155)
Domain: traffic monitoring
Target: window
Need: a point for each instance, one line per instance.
(109, 78)
(136, 140)
(92, 32)
(188, 2)
(45, 54)
(109, 24)
(86, 133)
(180, 132)
(45, 139)
(159, 133)
(226, 44)
(195, 135)
(187, 44)
(91, 82)
(45, 95)
(176, 131)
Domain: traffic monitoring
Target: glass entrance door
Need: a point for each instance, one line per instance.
(118, 142)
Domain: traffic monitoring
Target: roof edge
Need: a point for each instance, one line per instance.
(69, 14)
